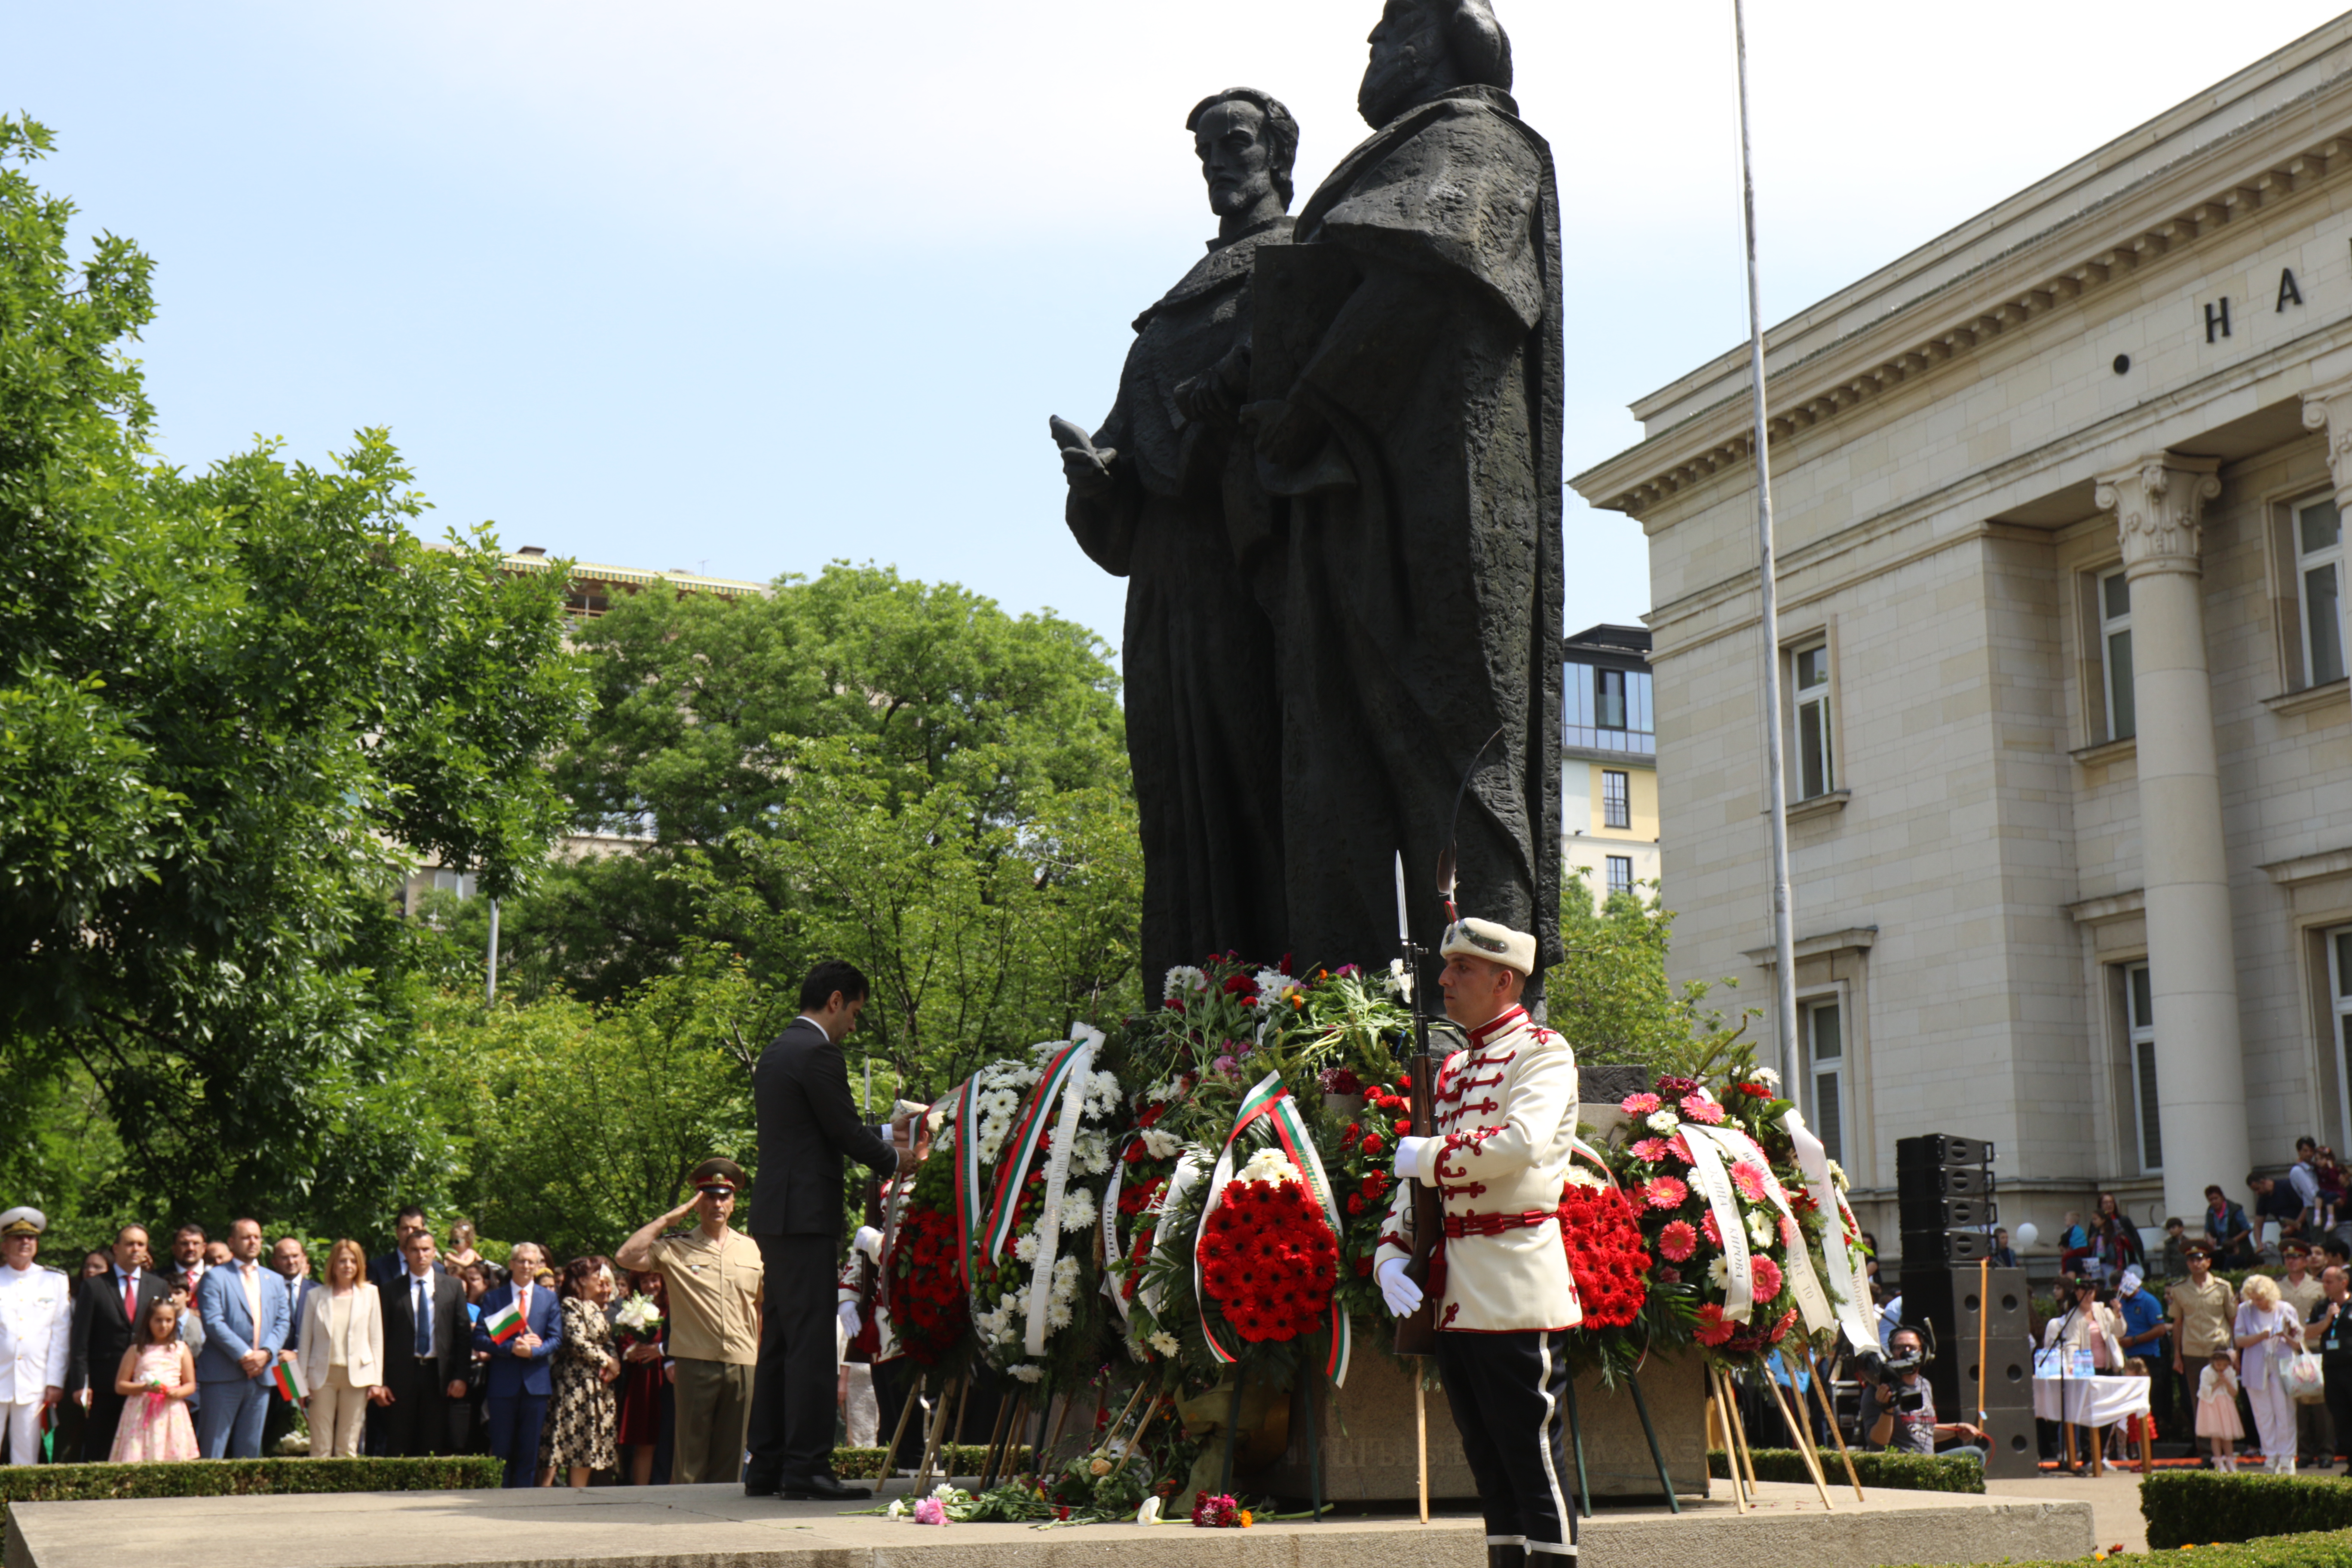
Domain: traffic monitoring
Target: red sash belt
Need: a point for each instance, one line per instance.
(1458, 1225)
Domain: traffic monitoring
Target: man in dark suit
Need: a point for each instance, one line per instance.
(388, 1266)
(425, 1357)
(290, 1259)
(808, 1125)
(514, 1403)
(106, 1323)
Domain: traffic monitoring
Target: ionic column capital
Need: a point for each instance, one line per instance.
(2159, 507)
(2328, 410)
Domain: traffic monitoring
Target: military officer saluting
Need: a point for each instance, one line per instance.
(36, 1321)
(1498, 1153)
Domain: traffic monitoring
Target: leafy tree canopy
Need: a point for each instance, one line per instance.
(233, 703)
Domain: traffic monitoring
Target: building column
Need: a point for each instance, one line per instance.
(2192, 968)
(2329, 409)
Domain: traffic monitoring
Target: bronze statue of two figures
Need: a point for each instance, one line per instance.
(1332, 480)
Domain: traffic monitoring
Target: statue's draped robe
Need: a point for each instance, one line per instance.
(1420, 602)
(1203, 724)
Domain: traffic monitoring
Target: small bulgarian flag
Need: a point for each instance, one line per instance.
(288, 1376)
(503, 1324)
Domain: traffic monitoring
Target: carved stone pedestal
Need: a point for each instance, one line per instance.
(1367, 1436)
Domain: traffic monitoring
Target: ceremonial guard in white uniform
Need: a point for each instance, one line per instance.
(36, 1325)
(1498, 1153)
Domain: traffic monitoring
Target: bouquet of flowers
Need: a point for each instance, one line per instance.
(1601, 1229)
(638, 1322)
(1268, 1258)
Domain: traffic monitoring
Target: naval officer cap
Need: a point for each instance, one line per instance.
(23, 1221)
(1491, 941)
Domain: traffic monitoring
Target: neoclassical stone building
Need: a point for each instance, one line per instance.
(2062, 638)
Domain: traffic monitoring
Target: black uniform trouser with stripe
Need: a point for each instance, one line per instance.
(1507, 1392)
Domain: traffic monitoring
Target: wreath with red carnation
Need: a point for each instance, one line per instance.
(1268, 1259)
(1600, 1228)
(929, 1312)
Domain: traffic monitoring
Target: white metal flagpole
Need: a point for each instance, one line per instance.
(1784, 942)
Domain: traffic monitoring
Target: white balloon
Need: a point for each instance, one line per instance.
(2026, 1235)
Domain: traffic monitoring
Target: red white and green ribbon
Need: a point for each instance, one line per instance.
(1837, 1251)
(1021, 1145)
(1070, 1070)
(1271, 1100)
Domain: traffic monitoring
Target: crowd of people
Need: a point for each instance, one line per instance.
(638, 1368)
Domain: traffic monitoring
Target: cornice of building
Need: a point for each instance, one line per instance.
(2147, 201)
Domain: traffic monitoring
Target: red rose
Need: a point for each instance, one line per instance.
(1374, 1143)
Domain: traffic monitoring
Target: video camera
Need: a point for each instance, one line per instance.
(1887, 1370)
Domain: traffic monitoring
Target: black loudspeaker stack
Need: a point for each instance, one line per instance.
(1944, 1188)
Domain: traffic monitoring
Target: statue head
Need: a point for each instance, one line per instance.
(1422, 47)
(1247, 142)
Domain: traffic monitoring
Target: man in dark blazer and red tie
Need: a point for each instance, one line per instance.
(106, 1323)
(515, 1390)
(808, 1125)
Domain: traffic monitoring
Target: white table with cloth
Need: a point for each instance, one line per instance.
(2095, 1402)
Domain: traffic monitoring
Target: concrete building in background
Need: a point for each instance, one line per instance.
(1609, 760)
(2069, 739)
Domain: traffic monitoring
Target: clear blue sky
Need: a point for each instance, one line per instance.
(744, 288)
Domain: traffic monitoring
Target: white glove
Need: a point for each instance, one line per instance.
(868, 1241)
(1416, 1157)
(1402, 1296)
(847, 1312)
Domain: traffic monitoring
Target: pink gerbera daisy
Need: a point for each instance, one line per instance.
(1709, 1229)
(1639, 1104)
(1665, 1193)
(1699, 1108)
(1764, 1276)
(1649, 1151)
(1680, 1150)
(1748, 1177)
(1678, 1241)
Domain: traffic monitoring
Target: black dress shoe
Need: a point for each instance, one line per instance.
(759, 1488)
(820, 1488)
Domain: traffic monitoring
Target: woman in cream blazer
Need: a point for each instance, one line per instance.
(343, 1352)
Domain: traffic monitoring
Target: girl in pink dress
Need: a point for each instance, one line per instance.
(157, 1375)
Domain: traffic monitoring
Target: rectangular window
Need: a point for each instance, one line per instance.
(1620, 873)
(1816, 769)
(2139, 1028)
(2115, 654)
(2319, 590)
(1608, 699)
(1616, 799)
(1824, 1081)
(2339, 993)
(454, 883)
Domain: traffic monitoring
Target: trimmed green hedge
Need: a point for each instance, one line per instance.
(2329, 1550)
(1893, 1472)
(961, 1459)
(243, 1477)
(2198, 1506)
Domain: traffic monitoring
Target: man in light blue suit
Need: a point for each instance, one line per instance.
(514, 1403)
(246, 1316)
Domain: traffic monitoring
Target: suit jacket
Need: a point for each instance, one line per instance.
(510, 1373)
(452, 1342)
(808, 1125)
(363, 1336)
(100, 1330)
(230, 1328)
(297, 1296)
(390, 1265)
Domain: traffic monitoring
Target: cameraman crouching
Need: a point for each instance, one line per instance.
(1907, 1406)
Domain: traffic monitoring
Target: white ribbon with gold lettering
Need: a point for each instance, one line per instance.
(1812, 1305)
(1837, 1252)
(1114, 1251)
(1707, 1165)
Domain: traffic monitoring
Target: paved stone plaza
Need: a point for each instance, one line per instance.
(717, 1527)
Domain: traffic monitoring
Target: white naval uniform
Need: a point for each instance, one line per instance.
(36, 1322)
(1504, 1113)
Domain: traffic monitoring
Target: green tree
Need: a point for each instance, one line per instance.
(233, 704)
(1611, 998)
(579, 1121)
(863, 766)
